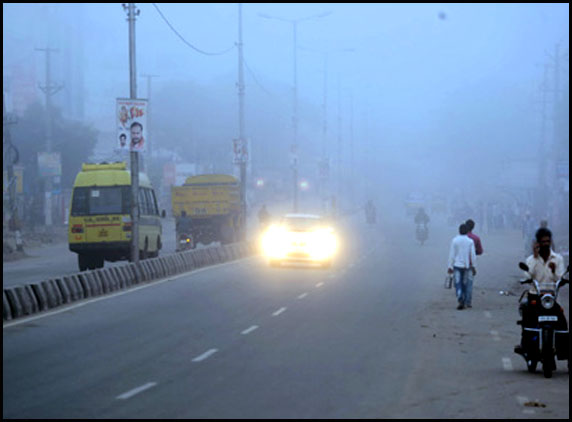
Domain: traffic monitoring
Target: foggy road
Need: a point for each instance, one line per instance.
(376, 336)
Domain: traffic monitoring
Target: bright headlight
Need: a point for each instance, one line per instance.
(274, 242)
(323, 244)
(547, 301)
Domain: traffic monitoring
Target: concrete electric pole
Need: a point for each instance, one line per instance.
(294, 145)
(49, 89)
(241, 137)
(131, 13)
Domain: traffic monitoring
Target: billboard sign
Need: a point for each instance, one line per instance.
(132, 124)
(49, 164)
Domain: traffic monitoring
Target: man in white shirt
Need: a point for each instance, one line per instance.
(462, 259)
(545, 265)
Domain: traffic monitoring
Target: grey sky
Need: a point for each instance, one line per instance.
(457, 84)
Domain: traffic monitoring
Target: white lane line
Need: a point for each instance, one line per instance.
(250, 329)
(507, 365)
(205, 355)
(137, 390)
(303, 295)
(333, 275)
(320, 284)
(521, 399)
(279, 311)
(529, 411)
(495, 335)
(488, 314)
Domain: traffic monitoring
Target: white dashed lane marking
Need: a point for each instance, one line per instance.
(495, 335)
(250, 330)
(320, 284)
(303, 295)
(205, 355)
(135, 391)
(488, 314)
(279, 311)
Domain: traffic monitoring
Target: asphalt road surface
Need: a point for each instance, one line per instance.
(375, 336)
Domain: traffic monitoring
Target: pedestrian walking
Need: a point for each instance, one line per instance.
(462, 259)
(478, 251)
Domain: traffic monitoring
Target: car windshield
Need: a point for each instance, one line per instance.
(301, 223)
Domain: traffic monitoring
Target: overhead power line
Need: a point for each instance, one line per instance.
(185, 41)
(256, 80)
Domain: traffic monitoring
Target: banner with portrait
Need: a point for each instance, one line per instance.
(132, 124)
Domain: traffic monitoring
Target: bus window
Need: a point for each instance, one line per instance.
(99, 200)
(154, 202)
(151, 203)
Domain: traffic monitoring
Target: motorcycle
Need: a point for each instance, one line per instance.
(544, 329)
(185, 242)
(422, 233)
(370, 216)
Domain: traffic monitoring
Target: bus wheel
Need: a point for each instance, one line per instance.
(83, 262)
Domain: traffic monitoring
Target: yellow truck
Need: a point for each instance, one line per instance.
(207, 208)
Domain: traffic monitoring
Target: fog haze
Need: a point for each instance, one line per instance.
(444, 95)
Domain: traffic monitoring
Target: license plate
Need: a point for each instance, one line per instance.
(547, 318)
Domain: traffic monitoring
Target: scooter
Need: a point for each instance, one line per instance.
(545, 333)
(422, 233)
(185, 242)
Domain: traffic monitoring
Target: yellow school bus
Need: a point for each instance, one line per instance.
(100, 216)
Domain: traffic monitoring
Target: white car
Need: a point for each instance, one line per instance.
(304, 238)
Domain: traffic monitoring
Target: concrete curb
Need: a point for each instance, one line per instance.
(28, 299)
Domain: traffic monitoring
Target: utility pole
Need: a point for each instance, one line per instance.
(49, 89)
(241, 137)
(351, 176)
(294, 146)
(325, 164)
(10, 158)
(131, 13)
(149, 136)
(339, 146)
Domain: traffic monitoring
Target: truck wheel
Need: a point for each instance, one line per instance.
(83, 262)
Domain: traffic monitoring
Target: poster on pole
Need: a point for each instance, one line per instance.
(132, 124)
(240, 151)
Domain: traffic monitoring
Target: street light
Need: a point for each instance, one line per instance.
(338, 166)
(294, 146)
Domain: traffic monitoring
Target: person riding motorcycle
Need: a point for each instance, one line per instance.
(183, 224)
(545, 266)
(422, 218)
(369, 212)
(263, 217)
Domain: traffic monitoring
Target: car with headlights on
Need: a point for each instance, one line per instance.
(300, 238)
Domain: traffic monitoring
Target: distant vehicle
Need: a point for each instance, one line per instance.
(212, 205)
(301, 238)
(99, 226)
(414, 201)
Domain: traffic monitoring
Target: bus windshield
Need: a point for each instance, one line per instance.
(101, 200)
